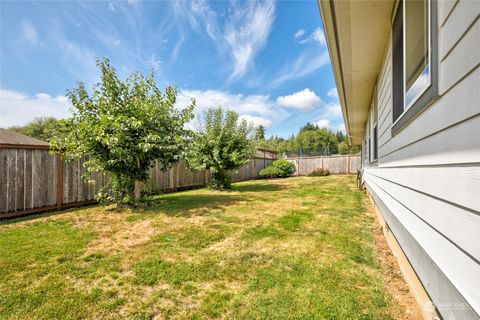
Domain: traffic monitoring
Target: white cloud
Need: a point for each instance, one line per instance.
(256, 121)
(317, 36)
(305, 64)
(303, 100)
(243, 104)
(299, 33)
(258, 109)
(18, 109)
(333, 110)
(332, 93)
(29, 32)
(242, 34)
(323, 123)
(326, 124)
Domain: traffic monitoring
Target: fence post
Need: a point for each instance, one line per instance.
(348, 164)
(322, 162)
(175, 176)
(59, 181)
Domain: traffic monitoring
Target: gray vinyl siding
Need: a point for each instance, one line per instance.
(427, 182)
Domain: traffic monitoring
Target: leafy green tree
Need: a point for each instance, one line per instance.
(224, 143)
(340, 136)
(123, 127)
(320, 140)
(260, 133)
(309, 127)
(43, 128)
(345, 148)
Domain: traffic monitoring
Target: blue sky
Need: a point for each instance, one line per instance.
(267, 60)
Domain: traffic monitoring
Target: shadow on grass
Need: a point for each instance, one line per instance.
(262, 187)
(35, 216)
(181, 204)
(187, 204)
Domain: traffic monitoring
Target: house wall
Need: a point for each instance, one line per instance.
(426, 182)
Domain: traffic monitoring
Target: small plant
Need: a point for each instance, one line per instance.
(319, 173)
(278, 169)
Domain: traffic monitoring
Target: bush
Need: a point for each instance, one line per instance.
(319, 173)
(271, 172)
(278, 169)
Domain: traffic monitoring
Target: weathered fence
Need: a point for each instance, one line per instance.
(336, 164)
(32, 180)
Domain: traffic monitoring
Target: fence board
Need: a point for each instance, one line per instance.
(28, 180)
(20, 174)
(3, 182)
(337, 164)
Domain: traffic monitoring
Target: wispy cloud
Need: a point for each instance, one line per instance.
(240, 33)
(29, 32)
(18, 109)
(305, 64)
(299, 33)
(247, 32)
(79, 60)
(317, 36)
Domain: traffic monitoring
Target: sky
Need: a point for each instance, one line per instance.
(266, 60)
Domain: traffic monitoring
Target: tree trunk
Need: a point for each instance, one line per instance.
(137, 189)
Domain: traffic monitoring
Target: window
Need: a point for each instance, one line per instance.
(414, 59)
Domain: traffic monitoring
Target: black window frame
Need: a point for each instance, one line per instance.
(402, 117)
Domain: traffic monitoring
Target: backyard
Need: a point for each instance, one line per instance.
(296, 248)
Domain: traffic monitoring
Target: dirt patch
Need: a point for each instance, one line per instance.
(122, 236)
(392, 277)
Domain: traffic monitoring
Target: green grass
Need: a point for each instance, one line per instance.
(297, 248)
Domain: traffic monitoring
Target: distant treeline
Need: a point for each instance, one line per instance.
(310, 140)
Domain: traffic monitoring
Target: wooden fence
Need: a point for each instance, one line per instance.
(336, 164)
(32, 180)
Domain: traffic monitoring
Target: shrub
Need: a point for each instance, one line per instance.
(271, 172)
(278, 169)
(319, 173)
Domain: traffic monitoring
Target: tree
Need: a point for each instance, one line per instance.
(345, 148)
(123, 127)
(224, 143)
(41, 128)
(260, 133)
(319, 140)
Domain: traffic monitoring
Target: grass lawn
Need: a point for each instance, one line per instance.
(297, 248)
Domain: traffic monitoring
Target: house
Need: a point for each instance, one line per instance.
(408, 79)
(11, 140)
